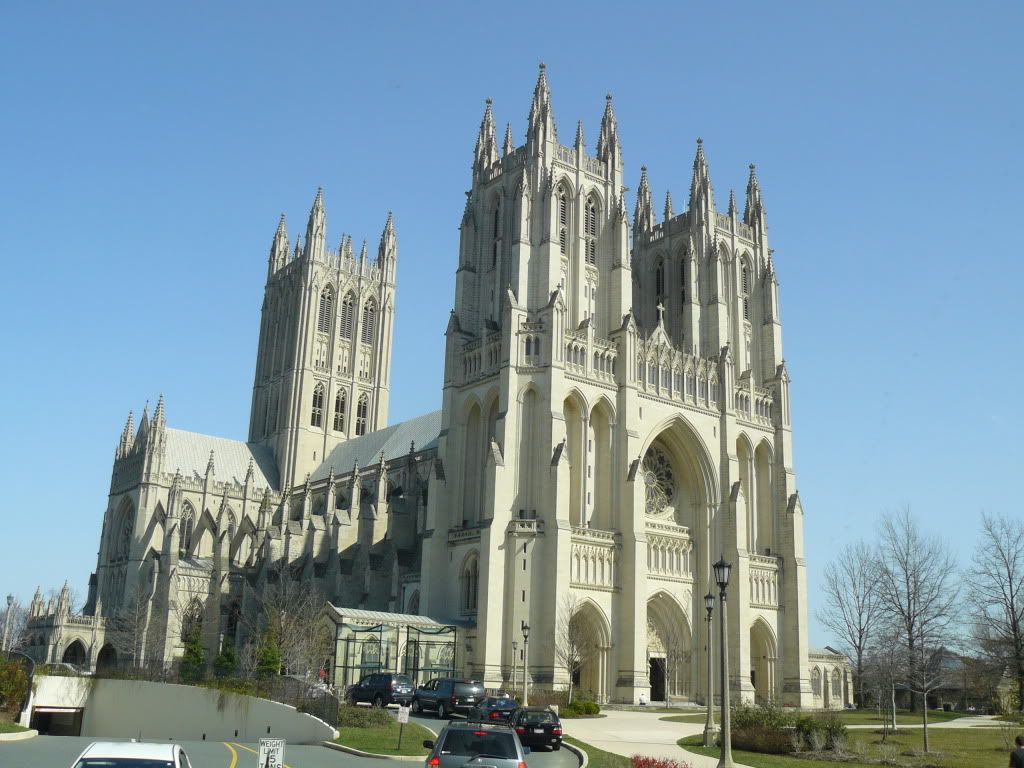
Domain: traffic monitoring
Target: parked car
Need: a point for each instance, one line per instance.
(462, 742)
(381, 689)
(448, 695)
(494, 709)
(537, 727)
(132, 754)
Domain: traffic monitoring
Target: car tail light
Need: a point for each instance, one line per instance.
(495, 715)
(520, 730)
(434, 761)
(522, 764)
(453, 699)
(557, 730)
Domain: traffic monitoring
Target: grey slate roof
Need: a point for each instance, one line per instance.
(189, 452)
(394, 441)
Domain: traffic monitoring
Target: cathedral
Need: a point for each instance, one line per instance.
(614, 418)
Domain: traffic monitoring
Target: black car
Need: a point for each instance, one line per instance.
(537, 727)
(494, 709)
(380, 690)
(448, 695)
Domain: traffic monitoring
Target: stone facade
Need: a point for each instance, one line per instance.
(615, 416)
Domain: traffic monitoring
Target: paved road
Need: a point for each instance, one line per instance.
(61, 751)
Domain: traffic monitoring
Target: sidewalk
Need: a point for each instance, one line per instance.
(638, 733)
(968, 721)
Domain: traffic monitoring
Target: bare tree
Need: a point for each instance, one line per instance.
(574, 642)
(136, 629)
(293, 610)
(996, 583)
(853, 606)
(883, 670)
(919, 589)
(18, 631)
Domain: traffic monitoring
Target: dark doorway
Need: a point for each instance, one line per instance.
(75, 654)
(56, 721)
(107, 658)
(657, 676)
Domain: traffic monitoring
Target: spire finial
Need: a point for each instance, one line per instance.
(507, 149)
(643, 215)
(579, 133)
(608, 141)
(732, 202)
(540, 109)
(754, 209)
(668, 206)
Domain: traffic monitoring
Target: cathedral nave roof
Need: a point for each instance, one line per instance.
(189, 453)
(393, 442)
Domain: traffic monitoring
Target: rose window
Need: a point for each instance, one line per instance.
(659, 481)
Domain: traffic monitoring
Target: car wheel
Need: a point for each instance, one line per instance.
(556, 747)
(441, 714)
(378, 701)
(416, 708)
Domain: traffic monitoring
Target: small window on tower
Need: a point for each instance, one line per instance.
(323, 319)
(347, 315)
(317, 416)
(339, 412)
(362, 411)
(591, 231)
(369, 318)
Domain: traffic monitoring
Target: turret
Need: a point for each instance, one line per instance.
(387, 251)
(643, 215)
(542, 120)
(278, 249)
(509, 145)
(485, 153)
(580, 141)
(124, 445)
(316, 228)
(754, 213)
(668, 207)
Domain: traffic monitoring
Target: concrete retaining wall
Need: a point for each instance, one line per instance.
(158, 711)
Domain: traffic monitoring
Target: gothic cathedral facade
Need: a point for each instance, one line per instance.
(615, 417)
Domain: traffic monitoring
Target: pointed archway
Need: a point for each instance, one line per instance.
(669, 644)
(75, 654)
(763, 656)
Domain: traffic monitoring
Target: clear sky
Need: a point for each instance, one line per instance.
(146, 151)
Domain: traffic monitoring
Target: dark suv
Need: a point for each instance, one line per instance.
(381, 689)
(447, 695)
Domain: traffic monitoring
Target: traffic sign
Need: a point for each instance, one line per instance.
(403, 714)
(271, 753)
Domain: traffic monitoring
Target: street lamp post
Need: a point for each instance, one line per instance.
(515, 662)
(526, 663)
(5, 641)
(722, 570)
(709, 726)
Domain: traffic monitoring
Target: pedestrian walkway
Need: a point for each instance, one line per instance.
(968, 721)
(638, 733)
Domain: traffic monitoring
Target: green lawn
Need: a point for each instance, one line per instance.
(11, 728)
(903, 717)
(694, 718)
(950, 748)
(598, 758)
(383, 739)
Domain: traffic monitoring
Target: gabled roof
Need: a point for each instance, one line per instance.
(189, 453)
(394, 441)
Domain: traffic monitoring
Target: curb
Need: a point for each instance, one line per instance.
(584, 758)
(360, 753)
(18, 736)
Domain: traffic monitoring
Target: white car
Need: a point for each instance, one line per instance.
(132, 754)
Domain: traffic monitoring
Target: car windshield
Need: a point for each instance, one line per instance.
(468, 689)
(536, 718)
(403, 680)
(474, 743)
(122, 762)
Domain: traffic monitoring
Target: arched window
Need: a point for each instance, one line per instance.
(362, 410)
(745, 290)
(470, 583)
(188, 524)
(231, 526)
(369, 318)
(347, 316)
(816, 681)
(591, 231)
(317, 416)
(323, 318)
(682, 283)
(529, 346)
(192, 621)
(496, 232)
(563, 221)
(659, 279)
(339, 411)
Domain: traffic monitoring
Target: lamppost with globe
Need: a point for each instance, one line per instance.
(722, 570)
(526, 662)
(709, 727)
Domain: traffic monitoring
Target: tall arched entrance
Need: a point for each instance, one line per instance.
(107, 658)
(75, 654)
(592, 675)
(762, 662)
(668, 648)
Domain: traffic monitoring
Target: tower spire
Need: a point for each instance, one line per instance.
(316, 227)
(124, 445)
(754, 209)
(580, 141)
(643, 215)
(509, 146)
(278, 248)
(668, 206)
(701, 194)
(486, 151)
(732, 203)
(387, 251)
(608, 149)
(542, 120)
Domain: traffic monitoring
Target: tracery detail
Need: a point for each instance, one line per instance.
(659, 481)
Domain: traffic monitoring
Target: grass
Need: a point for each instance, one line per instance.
(694, 718)
(950, 748)
(11, 728)
(598, 758)
(383, 739)
(903, 717)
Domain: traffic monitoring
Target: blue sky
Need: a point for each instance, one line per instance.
(147, 150)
